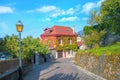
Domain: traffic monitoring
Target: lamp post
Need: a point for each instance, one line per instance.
(19, 27)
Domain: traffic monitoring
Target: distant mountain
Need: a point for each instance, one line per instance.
(80, 33)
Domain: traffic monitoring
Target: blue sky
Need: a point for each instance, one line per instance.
(36, 15)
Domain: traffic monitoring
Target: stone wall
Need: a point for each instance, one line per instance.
(110, 39)
(6, 65)
(106, 66)
(9, 69)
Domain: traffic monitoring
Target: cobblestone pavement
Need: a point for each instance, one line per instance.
(61, 69)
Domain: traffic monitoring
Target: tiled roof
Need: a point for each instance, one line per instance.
(79, 43)
(59, 30)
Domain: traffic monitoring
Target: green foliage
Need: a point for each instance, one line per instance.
(87, 30)
(11, 45)
(108, 17)
(30, 46)
(94, 18)
(73, 47)
(108, 50)
(105, 21)
(66, 45)
(94, 33)
(110, 10)
(2, 44)
(93, 39)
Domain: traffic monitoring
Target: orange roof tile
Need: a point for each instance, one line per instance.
(59, 30)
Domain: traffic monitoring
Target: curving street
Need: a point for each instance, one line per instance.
(61, 69)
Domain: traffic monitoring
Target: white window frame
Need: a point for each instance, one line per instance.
(70, 41)
(60, 41)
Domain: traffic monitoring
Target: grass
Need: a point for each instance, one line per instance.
(108, 50)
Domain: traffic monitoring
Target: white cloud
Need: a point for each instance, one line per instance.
(6, 9)
(54, 11)
(46, 19)
(86, 8)
(61, 12)
(68, 19)
(77, 7)
(100, 2)
(57, 13)
(45, 9)
(84, 18)
(70, 11)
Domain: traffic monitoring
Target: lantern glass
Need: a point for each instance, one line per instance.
(19, 26)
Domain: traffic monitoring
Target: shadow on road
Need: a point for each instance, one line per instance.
(62, 76)
(50, 71)
(35, 73)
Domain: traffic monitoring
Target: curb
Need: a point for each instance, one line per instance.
(89, 73)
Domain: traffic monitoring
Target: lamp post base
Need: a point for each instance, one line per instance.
(20, 74)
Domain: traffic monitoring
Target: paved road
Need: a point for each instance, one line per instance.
(62, 69)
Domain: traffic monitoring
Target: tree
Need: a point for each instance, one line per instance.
(32, 46)
(92, 19)
(87, 30)
(11, 45)
(107, 21)
(2, 44)
(95, 21)
(27, 52)
(110, 11)
(93, 39)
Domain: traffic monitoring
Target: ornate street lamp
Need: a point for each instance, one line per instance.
(19, 27)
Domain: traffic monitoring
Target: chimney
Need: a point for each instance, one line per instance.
(73, 29)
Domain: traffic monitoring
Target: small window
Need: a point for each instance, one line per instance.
(60, 41)
(68, 31)
(51, 30)
(70, 41)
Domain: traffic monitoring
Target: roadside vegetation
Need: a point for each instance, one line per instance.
(102, 40)
(30, 46)
(108, 50)
(102, 34)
